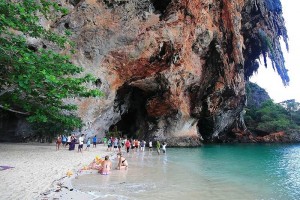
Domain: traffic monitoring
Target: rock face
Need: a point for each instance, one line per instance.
(171, 70)
(256, 95)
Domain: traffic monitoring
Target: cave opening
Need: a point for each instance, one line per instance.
(131, 101)
(205, 123)
(74, 2)
(161, 5)
(205, 127)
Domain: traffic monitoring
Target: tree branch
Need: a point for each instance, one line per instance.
(6, 90)
(15, 111)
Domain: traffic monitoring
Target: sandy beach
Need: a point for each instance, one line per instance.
(38, 169)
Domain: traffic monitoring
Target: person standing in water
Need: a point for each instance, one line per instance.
(88, 144)
(164, 145)
(127, 145)
(150, 145)
(106, 166)
(158, 147)
(120, 145)
(116, 141)
(109, 144)
(143, 144)
(94, 141)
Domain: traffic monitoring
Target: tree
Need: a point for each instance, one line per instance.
(268, 118)
(35, 82)
(291, 106)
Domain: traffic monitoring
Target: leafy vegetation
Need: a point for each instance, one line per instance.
(271, 117)
(35, 81)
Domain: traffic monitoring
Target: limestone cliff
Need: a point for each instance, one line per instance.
(256, 95)
(172, 70)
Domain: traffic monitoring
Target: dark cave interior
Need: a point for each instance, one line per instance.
(133, 123)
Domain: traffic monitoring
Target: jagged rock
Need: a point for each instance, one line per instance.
(256, 95)
(171, 70)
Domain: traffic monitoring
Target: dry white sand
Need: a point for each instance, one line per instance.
(38, 168)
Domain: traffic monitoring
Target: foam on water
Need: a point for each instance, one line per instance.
(210, 172)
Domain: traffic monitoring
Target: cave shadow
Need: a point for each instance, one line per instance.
(134, 118)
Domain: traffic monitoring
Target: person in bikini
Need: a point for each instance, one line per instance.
(106, 166)
(58, 142)
(123, 164)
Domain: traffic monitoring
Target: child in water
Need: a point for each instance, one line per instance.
(88, 144)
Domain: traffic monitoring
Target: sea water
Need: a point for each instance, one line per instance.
(247, 171)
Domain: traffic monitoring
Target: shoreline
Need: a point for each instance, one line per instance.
(40, 173)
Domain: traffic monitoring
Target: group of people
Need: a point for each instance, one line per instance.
(118, 143)
(104, 166)
(112, 142)
(132, 144)
(70, 141)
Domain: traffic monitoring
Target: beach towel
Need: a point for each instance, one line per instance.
(5, 167)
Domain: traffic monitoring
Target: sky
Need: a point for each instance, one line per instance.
(267, 78)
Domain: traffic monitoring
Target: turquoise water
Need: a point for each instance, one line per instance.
(210, 172)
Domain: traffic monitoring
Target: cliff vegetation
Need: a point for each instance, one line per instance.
(264, 117)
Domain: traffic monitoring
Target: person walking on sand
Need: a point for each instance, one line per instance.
(106, 166)
(80, 142)
(94, 141)
(58, 142)
(123, 164)
(164, 145)
(72, 143)
(88, 144)
(158, 147)
(69, 139)
(64, 140)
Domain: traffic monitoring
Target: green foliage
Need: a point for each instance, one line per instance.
(35, 82)
(271, 117)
